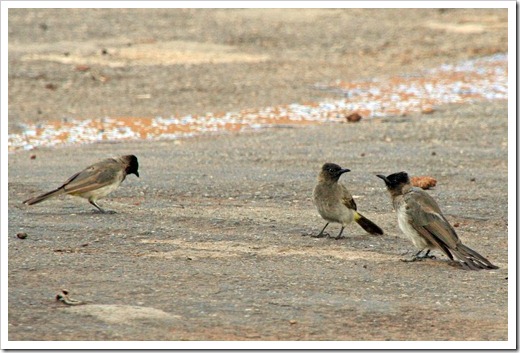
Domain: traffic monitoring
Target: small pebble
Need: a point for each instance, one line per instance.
(354, 118)
(21, 235)
(82, 68)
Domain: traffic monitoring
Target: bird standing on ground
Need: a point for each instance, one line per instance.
(421, 220)
(335, 203)
(95, 181)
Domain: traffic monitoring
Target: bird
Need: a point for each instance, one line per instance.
(335, 203)
(95, 181)
(420, 218)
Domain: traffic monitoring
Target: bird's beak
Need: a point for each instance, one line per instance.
(137, 173)
(385, 179)
(344, 171)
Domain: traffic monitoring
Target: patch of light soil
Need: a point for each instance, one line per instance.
(468, 81)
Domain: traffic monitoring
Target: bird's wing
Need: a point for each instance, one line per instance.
(346, 198)
(433, 226)
(428, 220)
(92, 178)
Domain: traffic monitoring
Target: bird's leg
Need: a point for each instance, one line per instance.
(321, 234)
(425, 256)
(419, 257)
(93, 203)
(340, 236)
(413, 258)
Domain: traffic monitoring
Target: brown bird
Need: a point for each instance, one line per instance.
(96, 181)
(421, 220)
(335, 203)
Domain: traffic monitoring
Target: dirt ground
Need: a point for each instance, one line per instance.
(211, 242)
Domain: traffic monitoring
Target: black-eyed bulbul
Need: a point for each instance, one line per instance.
(335, 203)
(95, 181)
(421, 220)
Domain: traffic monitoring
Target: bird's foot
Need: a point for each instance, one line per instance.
(413, 259)
(426, 256)
(419, 257)
(339, 237)
(321, 235)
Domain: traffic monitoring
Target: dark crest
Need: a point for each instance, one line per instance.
(133, 165)
(395, 179)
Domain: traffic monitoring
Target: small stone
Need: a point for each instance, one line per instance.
(456, 225)
(82, 68)
(293, 322)
(428, 110)
(21, 235)
(354, 118)
(33, 156)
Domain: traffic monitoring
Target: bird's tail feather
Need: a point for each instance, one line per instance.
(367, 224)
(44, 197)
(472, 259)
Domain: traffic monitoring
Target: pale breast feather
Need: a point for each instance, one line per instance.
(404, 222)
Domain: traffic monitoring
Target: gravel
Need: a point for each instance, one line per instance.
(211, 242)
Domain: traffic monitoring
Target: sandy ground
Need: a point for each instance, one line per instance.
(211, 243)
(264, 57)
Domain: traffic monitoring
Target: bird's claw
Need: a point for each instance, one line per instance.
(419, 258)
(321, 235)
